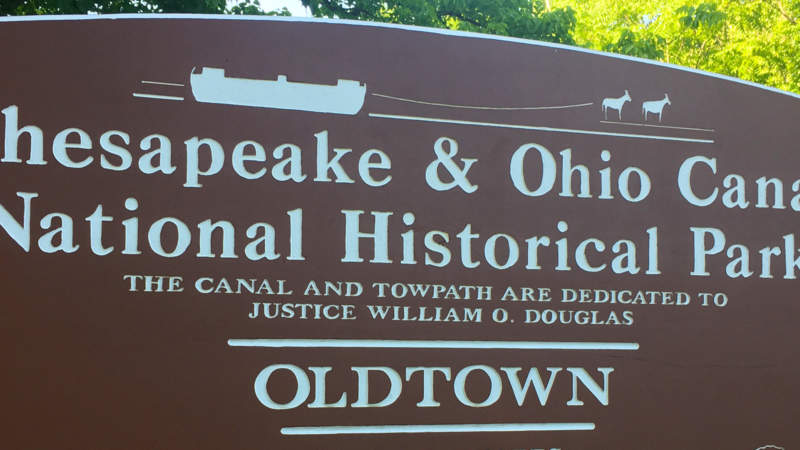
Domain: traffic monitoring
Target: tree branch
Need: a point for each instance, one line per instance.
(442, 14)
(778, 5)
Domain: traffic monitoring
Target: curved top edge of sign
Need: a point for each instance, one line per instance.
(442, 31)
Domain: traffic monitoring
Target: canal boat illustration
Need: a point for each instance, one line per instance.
(211, 85)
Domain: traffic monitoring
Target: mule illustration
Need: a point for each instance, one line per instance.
(615, 103)
(655, 107)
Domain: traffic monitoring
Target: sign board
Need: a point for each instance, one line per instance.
(241, 233)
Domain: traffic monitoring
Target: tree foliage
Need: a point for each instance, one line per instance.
(520, 18)
(36, 7)
(756, 40)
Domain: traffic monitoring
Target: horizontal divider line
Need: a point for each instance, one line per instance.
(454, 428)
(431, 344)
(160, 97)
(656, 126)
(539, 128)
(163, 83)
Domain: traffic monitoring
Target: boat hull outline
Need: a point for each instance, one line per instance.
(212, 86)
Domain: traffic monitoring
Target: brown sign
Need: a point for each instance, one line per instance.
(226, 234)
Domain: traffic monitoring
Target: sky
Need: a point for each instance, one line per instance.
(294, 6)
